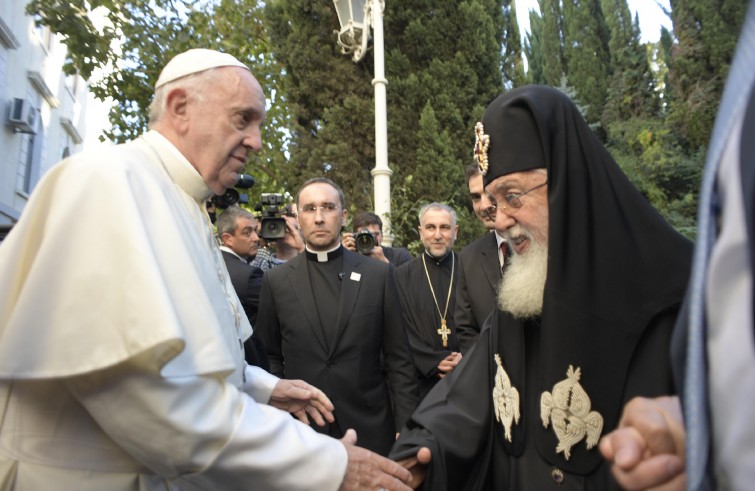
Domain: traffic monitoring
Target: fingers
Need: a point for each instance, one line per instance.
(662, 472)
(647, 450)
(350, 437)
(658, 421)
(322, 402)
(424, 456)
(624, 447)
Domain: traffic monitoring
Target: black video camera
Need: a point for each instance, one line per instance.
(365, 241)
(272, 223)
(231, 196)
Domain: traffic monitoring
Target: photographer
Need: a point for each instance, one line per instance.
(365, 224)
(286, 247)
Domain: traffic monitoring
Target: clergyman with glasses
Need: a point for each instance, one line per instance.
(585, 312)
(329, 315)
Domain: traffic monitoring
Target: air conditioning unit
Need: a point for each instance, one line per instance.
(23, 117)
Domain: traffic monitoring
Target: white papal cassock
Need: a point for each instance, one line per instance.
(121, 361)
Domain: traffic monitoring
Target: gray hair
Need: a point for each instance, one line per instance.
(437, 206)
(197, 86)
(226, 222)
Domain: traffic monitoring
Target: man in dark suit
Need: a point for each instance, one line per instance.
(480, 267)
(327, 315)
(371, 223)
(236, 230)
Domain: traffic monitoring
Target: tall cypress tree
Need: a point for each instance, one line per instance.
(586, 53)
(552, 45)
(706, 32)
(533, 49)
(443, 62)
(513, 64)
(631, 89)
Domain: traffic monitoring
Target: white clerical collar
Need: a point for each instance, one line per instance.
(180, 169)
(322, 256)
(230, 251)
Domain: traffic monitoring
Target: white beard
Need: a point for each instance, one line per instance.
(523, 283)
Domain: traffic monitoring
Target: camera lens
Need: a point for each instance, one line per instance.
(273, 228)
(364, 242)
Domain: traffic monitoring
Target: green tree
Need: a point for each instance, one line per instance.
(443, 64)
(552, 42)
(587, 54)
(140, 39)
(631, 89)
(513, 64)
(706, 32)
(533, 49)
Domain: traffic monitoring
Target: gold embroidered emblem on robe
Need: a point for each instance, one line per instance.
(567, 408)
(505, 399)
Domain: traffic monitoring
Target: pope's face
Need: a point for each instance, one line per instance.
(320, 216)
(438, 232)
(521, 226)
(224, 127)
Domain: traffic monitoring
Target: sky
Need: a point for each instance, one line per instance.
(650, 14)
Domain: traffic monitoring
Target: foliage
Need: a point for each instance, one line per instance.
(706, 32)
(586, 53)
(144, 35)
(443, 64)
(513, 63)
(445, 61)
(649, 154)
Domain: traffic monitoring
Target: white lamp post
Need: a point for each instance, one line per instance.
(354, 17)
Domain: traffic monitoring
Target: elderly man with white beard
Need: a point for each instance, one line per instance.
(586, 310)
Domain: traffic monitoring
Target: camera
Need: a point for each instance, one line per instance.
(365, 241)
(231, 196)
(272, 223)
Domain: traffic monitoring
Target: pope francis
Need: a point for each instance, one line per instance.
(121, 337)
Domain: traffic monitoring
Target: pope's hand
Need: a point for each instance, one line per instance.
(301, 399)
(368, 470)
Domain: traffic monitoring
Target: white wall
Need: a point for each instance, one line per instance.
(31, 62)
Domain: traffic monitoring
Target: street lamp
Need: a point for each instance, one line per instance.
(355, 17)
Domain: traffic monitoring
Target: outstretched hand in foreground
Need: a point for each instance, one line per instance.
(302, 399)
(646, 451)
(368, 470)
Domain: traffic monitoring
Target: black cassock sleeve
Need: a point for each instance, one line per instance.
(454, 422)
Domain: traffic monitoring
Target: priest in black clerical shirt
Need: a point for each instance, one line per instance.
(427, 287)
(329, 315)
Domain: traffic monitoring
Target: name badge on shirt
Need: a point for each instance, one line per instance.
(355, 276)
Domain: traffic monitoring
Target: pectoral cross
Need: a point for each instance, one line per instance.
(444, 331)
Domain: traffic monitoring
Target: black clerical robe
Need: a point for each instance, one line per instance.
(422, 315)
(457, 419)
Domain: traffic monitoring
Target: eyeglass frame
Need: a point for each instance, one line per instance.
(516, 197)
(325, 209)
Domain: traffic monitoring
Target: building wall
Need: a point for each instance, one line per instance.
(31, 61)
